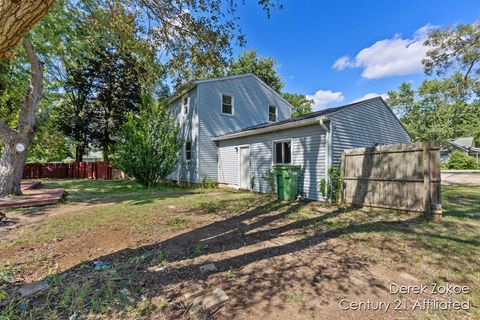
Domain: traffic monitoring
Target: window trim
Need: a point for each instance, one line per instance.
(184, 114)
(185, 151)
(268, 112)
(274, 154)
(221, 104)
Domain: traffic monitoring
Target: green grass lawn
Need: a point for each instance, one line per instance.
(446, 252)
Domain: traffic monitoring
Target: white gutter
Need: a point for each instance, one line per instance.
(285, 126)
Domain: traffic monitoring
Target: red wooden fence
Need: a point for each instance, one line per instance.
(75, 170)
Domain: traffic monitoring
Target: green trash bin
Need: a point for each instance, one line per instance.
(287, 181)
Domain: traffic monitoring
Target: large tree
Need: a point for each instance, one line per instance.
(117, 78)
(17, 140)
(454, 49)
(17, 17)
(75, 112)
(448, 106)
(300, 103)
(435, 111)
(262, 67)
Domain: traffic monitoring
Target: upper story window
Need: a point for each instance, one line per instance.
(272, 113)
(227, 104)
(185, 105)
(283, 151)
(187, 150)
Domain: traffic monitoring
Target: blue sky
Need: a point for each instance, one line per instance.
(379, 43)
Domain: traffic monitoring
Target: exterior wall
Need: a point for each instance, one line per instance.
(308, 151)
(251, 101)
(364, 125)
(187, 170)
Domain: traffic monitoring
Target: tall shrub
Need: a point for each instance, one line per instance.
(459, 160)
(270, 178)
(330, 187)
(149, 144)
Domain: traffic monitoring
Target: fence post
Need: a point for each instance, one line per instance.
(427, 202)
(436, 206)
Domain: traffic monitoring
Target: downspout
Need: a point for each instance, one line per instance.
(328, 143)
(327, 129)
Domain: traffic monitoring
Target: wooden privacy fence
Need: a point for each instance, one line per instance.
(75, 170)
(399, 176)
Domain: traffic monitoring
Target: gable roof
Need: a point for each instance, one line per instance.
(463, 143)
(192, 84)
(302, 120)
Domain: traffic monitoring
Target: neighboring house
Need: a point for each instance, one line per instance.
(235, 128)
(93, 156)
(465, 145)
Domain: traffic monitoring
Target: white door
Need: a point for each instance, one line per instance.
(244, 174)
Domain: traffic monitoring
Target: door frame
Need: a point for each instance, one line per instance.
(239, 164)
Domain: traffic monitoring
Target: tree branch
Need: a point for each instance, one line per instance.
(17, 17)
(5, 131)
(27, 113)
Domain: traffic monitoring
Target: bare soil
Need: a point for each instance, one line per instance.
(270, 266)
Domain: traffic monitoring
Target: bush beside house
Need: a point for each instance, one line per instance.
(461, 161)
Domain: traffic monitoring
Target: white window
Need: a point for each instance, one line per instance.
(283, 151)
(185, 105)
(227, 104)
(188, 150)
(272, 113)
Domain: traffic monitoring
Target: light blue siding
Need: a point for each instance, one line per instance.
(187, 171)
(251, 101)
(308, 151)
(364, 125)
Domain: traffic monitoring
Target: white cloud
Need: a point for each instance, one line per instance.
(371, 95)
(390, 57)
(323, 98)
(342, 63)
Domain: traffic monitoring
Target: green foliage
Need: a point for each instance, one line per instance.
(460, 160)
(49, 143)
(448, 107)
(264, 68)
(437, 110)
(301, 105)
(331, 186)
(270, 178)
(117, 76)
(149, 144)
(292, 297)
(8, 272)
(13, 85)
(207, 183)
(252, 181)
(454, 49)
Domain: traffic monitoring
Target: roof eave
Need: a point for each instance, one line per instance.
(286, 126)
(184, 91)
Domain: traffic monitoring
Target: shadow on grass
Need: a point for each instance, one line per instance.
(259, 225)
(131, 281)
(106, 191)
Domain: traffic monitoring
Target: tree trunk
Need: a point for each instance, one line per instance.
(17, 17)
(12, 164)
(105, 151)
(79, 151)
(16, 141)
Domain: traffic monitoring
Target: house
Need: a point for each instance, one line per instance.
(235, 128)
(465, 145)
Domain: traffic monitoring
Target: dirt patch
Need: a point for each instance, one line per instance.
(273, 260)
